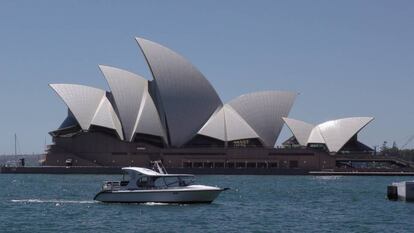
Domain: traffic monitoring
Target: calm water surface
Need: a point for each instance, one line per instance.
(63, 203)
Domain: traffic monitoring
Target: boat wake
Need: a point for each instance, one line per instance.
(160, 204)
(56, 201)
(328, 177)
(52, 201)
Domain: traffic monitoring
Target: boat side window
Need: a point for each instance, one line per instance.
(125, 179)
(159, 182)
(171, 181)
(143, 182)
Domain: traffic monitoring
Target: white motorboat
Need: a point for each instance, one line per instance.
(401, 191)
(146, 185)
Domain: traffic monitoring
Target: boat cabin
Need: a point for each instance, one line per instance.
(143, 178)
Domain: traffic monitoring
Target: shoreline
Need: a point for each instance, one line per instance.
(201, 171)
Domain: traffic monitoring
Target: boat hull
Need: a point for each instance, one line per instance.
(158, 196)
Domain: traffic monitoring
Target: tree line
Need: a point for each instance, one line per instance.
(406, 154)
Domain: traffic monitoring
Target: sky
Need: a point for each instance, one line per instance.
(345, 58)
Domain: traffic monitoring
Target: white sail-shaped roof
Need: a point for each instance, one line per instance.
(89, 106)
(236, 127)
(105, 116)
(215, 127)
(83, 101)
(149, 122)
(128, 90)
(338, 132)
(300, 129)
(186, 98)
(227, 125)
(263, 111)
(134, 104)
(334, 134)
(316, 137)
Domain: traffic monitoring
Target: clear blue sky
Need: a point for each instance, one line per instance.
(346, 58)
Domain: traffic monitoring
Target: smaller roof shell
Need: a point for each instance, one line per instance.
(337, 133)
(236, 127)
(263, 111)
(301, 129)
(334, 134)
(83, 101)
(215, 127)
(89, 106)
(105, 116)
(136, 108)
(227, 125)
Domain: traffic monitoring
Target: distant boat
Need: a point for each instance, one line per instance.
(146, 185)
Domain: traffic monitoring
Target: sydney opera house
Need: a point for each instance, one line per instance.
(178, 117)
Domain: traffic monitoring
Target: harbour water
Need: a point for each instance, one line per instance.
(63, 203)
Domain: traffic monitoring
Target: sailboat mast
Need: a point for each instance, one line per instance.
(15, 144)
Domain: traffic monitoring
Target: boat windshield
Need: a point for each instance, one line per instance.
(172, 181)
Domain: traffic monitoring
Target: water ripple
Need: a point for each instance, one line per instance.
(64, 203)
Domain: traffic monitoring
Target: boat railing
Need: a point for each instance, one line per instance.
(113, 185)
(158, 167)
